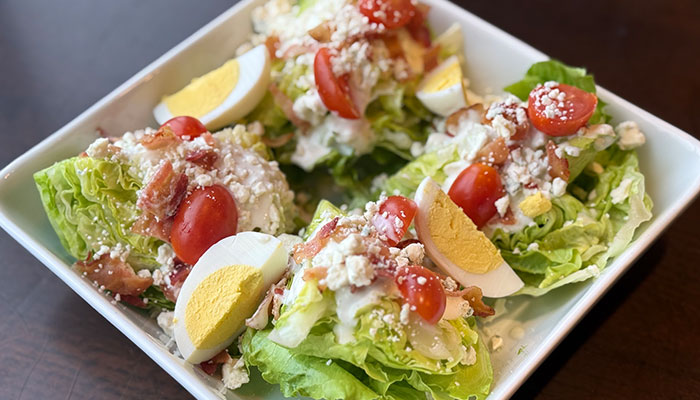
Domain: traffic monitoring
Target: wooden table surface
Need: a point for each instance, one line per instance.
(57, 58)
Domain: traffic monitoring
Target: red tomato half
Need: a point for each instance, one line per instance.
(334, 91)
(558, 109)
(206, 216)
(475, 190)
(390, 13)
(394, 217)
(422, 290)
(186, 126)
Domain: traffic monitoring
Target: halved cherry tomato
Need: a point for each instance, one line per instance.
(207, 215)
(394, 217)
(475, 190)
(390, 13)
(334, 91)
(422, 290)
(185, 126)
(558, 109)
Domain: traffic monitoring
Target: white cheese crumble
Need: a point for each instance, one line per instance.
(502, 205)
(166, 323)
(630, 135)
(234, 373)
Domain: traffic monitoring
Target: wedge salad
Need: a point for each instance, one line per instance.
(334, 207)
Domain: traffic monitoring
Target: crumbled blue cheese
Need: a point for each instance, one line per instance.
(234, 373)
(630, 135)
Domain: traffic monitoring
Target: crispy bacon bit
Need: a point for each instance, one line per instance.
(148, 225)
(473, 113)
(406, 242)
(316, 273)
(475, 297)
(287, 107)
(494, 153)
(431, 58)
(391, 41)
(272, 43)
(515, 115)
(205, 158)
(114, 275)
(508, 219)
(417, 26)
(279, 141)
(163, 194)
(135, 301)
(83, 154)
(163, 137)
(558, 167)
(309, 249)
(208, 138)
(177, 278)
(273, 298)
(212, 365)
(322, 33)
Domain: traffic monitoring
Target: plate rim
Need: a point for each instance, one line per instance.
(172, 365)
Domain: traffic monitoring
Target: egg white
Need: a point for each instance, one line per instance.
(258, 250)
(250, 88)
(500, 282)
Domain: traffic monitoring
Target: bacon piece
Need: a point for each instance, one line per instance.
(163, 194)
(418, 27)
(205, 158)
(273, 44)
(406, 242)
(279, 141)
(273, 298)
(322, 32)
(507, 219)
(558, 167)
(287, 107)
(494, 153)
(177, 278)
(473, 113)
(309, 249)
(208, 138)
(163, 137)
(316, 273)
(148, 225)
(114, 274)
(475, 297)
(431, 58)
(135, 301)
(515, 115)
(212, 365)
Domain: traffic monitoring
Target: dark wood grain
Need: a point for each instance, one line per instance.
(58, 57)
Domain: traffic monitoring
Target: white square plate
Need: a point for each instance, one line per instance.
(494, 59)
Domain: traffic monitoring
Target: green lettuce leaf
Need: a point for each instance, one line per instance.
(553, 70)
(577, 237)
(407, 179)
(301, 375)
(92, 202)
(324, 210)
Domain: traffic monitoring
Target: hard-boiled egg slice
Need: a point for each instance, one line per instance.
(456, 246)
(223, 95)
(442, 90)
(222, 290)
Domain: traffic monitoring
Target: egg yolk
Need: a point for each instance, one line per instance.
(205, 93)
(449, 76)
(458, 239)
(535, 204)
(220, 304)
